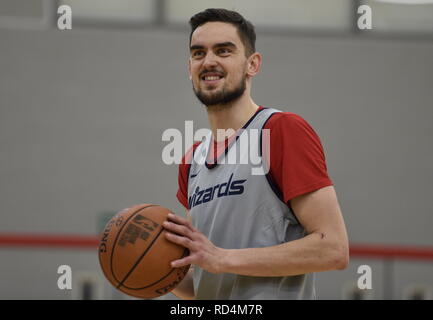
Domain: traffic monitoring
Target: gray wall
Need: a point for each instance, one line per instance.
(82, 113)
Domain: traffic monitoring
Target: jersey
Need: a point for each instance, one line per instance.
(237, 209)
(298, 163)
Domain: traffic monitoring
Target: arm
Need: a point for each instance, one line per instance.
(324, 248)
(185, 289)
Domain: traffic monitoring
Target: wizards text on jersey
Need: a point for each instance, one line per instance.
(229, 188)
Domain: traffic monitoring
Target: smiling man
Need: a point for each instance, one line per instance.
(251, 236)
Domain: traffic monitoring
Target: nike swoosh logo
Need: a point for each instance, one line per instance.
(194, 174)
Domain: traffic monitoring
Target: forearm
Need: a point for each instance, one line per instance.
(185, 289)
(313, 253)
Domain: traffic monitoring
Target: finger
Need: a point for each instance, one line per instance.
(181, 220)
(180, 240)
(177, 228)
(177, 219)
(182, 262)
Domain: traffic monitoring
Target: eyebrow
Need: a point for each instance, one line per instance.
(217, 45)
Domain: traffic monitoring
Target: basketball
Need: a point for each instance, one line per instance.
(135, 256)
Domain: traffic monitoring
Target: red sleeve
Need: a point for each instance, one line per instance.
(297, 158)
(182, 192)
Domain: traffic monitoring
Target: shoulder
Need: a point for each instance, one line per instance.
(184, 167)
(287, 122)
(285, 117)
(187, 157)
(185, 163)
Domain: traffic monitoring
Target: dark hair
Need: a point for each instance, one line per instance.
(245, 28)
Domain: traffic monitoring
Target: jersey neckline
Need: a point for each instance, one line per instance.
(226, 149)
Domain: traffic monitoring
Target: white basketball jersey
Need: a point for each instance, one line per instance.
(237, 209)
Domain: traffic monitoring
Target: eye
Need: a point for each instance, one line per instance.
(198, 53)
(223, 51)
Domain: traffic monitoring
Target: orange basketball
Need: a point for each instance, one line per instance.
(135, 256)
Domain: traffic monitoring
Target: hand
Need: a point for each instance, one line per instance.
(202, 252)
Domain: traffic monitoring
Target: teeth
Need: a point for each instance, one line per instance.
(210, 78)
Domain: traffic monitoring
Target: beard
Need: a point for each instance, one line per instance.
(223, 96)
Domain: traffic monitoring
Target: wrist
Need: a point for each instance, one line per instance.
(225, 260)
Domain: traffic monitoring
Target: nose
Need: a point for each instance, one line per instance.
(210, 61)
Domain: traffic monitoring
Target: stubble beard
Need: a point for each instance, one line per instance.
(222, 97)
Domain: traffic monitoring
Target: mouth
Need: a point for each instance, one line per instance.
(211, 78)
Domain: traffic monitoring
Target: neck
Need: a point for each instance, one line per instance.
(231, 116)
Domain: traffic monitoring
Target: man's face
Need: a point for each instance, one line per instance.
(217, 63)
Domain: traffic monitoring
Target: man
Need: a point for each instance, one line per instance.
(251, 236)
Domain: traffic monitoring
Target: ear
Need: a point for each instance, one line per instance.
(189, 69)
(254, 64)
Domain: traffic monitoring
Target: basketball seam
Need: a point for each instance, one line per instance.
(141, 257)
(118, 235)
(159, 280)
